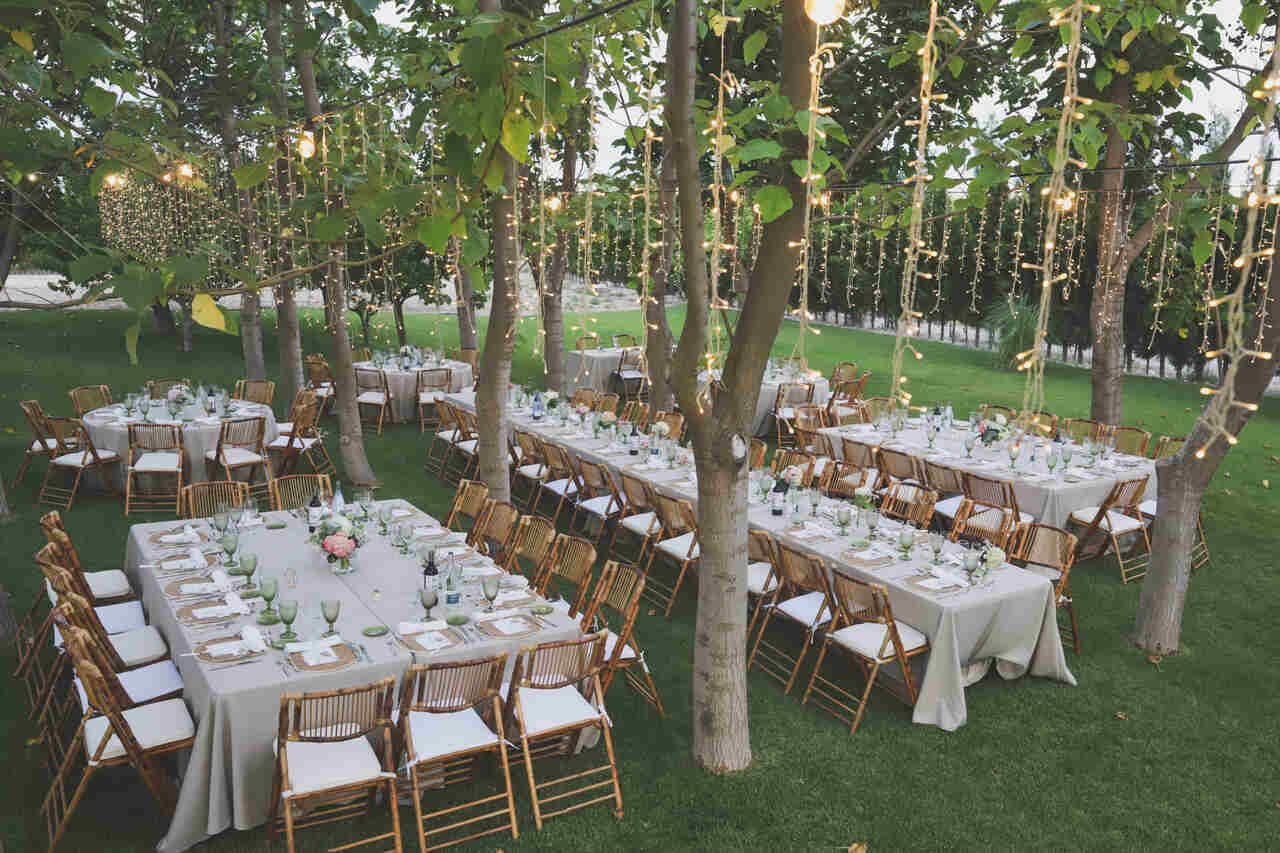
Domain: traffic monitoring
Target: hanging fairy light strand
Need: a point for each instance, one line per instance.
(1234, 349)
(1057, 200)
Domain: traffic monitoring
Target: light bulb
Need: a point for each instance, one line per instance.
(186, 171)
(553, 203)
(307, 145)
(32, 177)
(824, 12)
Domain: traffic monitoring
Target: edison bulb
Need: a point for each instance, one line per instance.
(307, 145)
(186, 171)
(553, 203)
(824, 12)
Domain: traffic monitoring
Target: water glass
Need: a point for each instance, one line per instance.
(1052, 460)
(229, 542)
(490, 586)
(873, 521)
(270, 586)
(427, 596)
(330, 608)
(936, 542)
(384, 517)
(906, 538)
(288, 612)
(248, 565)
(969, 441)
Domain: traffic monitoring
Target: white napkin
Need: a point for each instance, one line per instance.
(511, 595)
(234, 606)
(515, 582)
(251, 522)
(480, 571)
(497, 614)
(187, 536)
(432, 642)
(209, 419)
(948, 577)
(229, 649)
(511, 626)
(427, 531)
(253, 639)
(218, 582)
(809, 531)
(316, 652)
(250, 641)
(401, 512)
(408, 628)
(935, 583)
(194, 560)
(451, 551)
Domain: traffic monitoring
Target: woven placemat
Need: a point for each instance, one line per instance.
(346, 657)
(201, 651)
(915, 580)
(862, 560)
(154, 538)
(452, 634)
(165, 564)
(174, 588)
(185, 614)
(490, 629)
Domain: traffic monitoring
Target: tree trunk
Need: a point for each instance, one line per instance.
(288, 333)
(553, 326)
(255, 365)
(402, 334)
(659, 340)
(6, 512)
(1108, 295)
(188, 326)
(1182, 481)
(466, 306)
(162, 318)
(11, 233)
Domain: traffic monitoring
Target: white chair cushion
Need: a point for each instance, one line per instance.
(80, 458)
(641, 523)
(158, 460)
(283, 442)
(43, 444)
(234, 456)
(323, 390)
(122, 617)
(679, 547)
(949, 506)
(319, 766)
(434, 735)
(143, 684)
(449, 435)
(563, 487)
(1147, 507)
(545, 710)
(628, 653)
(604, 505)
(866, 638)
(469, 446)
(533, 472)
(109, 583)
(757, 575)
(804, 609)
(786, 413)
(153, 725)
(630, 375)
(1044, 571)
(427, 397)
(1115, 522)
(139, 646)
(285, 427)
(376, 398)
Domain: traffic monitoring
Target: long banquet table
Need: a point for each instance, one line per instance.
(1049, 497)
(404, 385)
(227, 782)
(1009, 619)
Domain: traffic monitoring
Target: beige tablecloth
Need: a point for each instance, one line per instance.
(109, 430)
(404, 386)
(227, 782)
(591, 368)
(1050, 498)
(762, 423)
(1011, 621)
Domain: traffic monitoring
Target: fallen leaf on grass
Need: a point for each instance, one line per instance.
(1228, 492)
(1154, 659)
(861, 846)
(652, 612)
(1266, 484)
(1121, 715)
(1227, 474)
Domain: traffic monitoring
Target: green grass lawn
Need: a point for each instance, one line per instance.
(1194, 764)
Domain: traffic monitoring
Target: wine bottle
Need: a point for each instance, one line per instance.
(430, 573)
(338, 501)
(633, 443)
(315, 511)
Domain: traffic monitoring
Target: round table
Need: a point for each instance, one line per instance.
(404, 385)
(108, 427)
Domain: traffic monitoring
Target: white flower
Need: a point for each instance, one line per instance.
(995, 557)
(792, 475)
(552, 396)
(862, 492)
(661, 429)
(1000, 419)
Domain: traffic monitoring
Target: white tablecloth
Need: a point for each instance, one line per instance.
(1050, 498)
(404, 386)
(762, 424)
(109, 430)
(591, 368)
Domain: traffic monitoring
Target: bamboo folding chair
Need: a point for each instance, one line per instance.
(100, 587)
(1118, 516)
(637, 516)
(555, 692)
(910, 503)
(80, 458)
(326, 769)
(864, 456)
(111, 736)
(241, 446)
(674, 422)
(989, 511)
(623, 340)
(843, 371)
(373, 397)
(803, 598)
(154, 682)
(878, 406)
(988, 411)
(678, 541)
(1199, 549)
(445, 435)
(597, 496)
(561, 482)
(1081, 428)
(809, 416)
(201, 500)
(785, 458)
(619, 590)
(303, 398)
(532, 468)
(50, 437)
(361, 354)
(843, 480)
(467, 356)
(492, 532)
(1131, 440)
(155, 451)
(530, 546)
(432, 385)
(762, 576)
(450, 714)
(86, 398)
(320, 380)
(466, 445)
(126, 650)
(38, 658)
(897, 466)
(789, 395)
(1046, 422)
(591, 340)
(641, 416)
(570, 560)
(630, 376)
(1049, 551)
(948, 483)
(843, 406)
(757, 453)
(295, 491)
(583, 397)
(468, 502)
(159, 388)
(865, 629)
(255, 391)
(1168, 445)
(606, 403)
(302, 441)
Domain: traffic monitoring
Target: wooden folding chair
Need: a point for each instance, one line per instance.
(674, 422)
(86, 398)
(446, 433)
(530, 546)
(843, 406)
(1081, 428)
(897, 467)
(630, 377)
(532, 467)
(1118, 516)
(153, 682)
(159, 388)
(155, 452)
(844, 479)
(302, 441)
(432, 385)
(623, 340)
(762, 574)
(241, 447)
(1199, 549)
(617, 594)
(606, 403)
(466, 355)
(948, 483)
(678, 541)
(468, 502)
(1049, 551)
(989, 511)
(597, 497)
(294, 491)
(910, 503)
(492, 532)
(555, 692)
(1045, 422)
(637, 516)
(988, 411)
(757, 453)
(201, 500)
(82, 458)
(1168, 445)
(255, 391)
(570, 561)
(862, 455)
(784, 458)
(789, 395)
(465, 446)
(373, 397)
(303, 399)
(583, 397)
(50, 437)
(865, 629)
(801, 598)
(591, 340)
(1131, 440)
(320, 380)
(843, 371)
(326, 769)
(451, 714)
(105, 586)
(561, 483)
(359, 354)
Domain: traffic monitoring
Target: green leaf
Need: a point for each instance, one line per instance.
(773, 201)
(482, 59)
(189, 269)
(898, 58)
(328, 227)
(516, 130)
(1202, 249)
(404, 199)
(1251, 15)
(23, 40)
(434, 230)
(955, 65)
(83, 53)
(1102, 78)
(131, 341)
(374, 231)
(753, 45)
(777, 108)
(99, 100)
(758, 149)
(207, 313)
(475, 248)
(719, 23)
(1021, 46)
(251, 174)
(1127, 39)
(89, 267)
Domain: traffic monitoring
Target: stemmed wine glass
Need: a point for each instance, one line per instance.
(428, 597)
(1051, 461)
(288, 612)
(815, 499)
(330, 608)
(490, 586)
(229, 542)
(844, 515)
(248, 565)
(936, 541)
(873, 520)
(384, 518)
(220, 519)
(270, 586)
(969, 441)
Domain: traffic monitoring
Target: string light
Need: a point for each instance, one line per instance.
(306, 145)
(824, 13)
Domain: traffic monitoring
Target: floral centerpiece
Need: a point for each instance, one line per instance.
(551, 397)
(582, 411)
(994, 430)
(863, 497)
(660, 429)
(605, 421)
(791, 478)
(180, 395)
(339, 538)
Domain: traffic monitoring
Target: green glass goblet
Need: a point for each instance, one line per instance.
(384, 518)
(428, 597)
(270, 586)
(288, 612)
(229, 542)
(330, 608)
(248, 565)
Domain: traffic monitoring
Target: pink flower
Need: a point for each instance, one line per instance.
(339, 545)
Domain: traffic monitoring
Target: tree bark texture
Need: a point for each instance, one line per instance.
(397, 310)
(1108, 295)
(188, 326)
(465, 293)
(288, 334)
(1182, 481)
(12, 231)
(659, 339)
